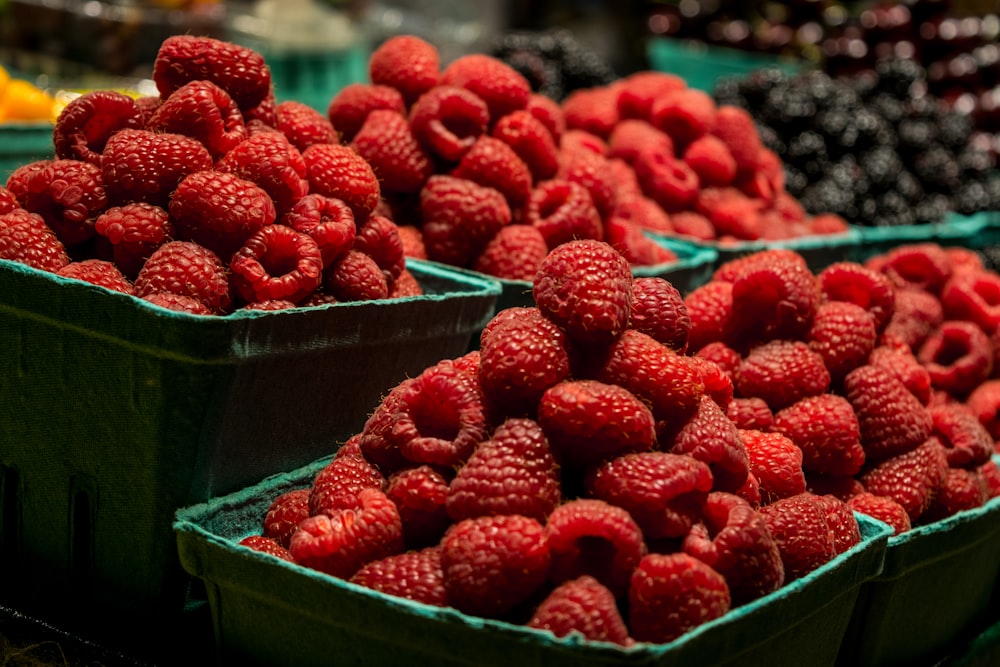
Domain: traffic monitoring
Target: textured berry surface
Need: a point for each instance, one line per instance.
(98, 272)
(826, 429)
(447, 121)
(958, 357)
(842, 522)
(492, 163)
(782, 372)
(25, 238)
(420, 494)
(134, 231)
(267, 545)
(68, 194)
(798, 525)
(711, 437)
(582, 606)
(271, 162)
(338, 171)
(338, 484)
(351, 105)
(355, 276)
(304, 126)
(960, 490)
(86, 122)
(284, 514)
(277, 262)
(414, 575)
(498, 84)
(968, 443)
(776, 464)
(145, 166)
(238, 70)
(883, 508)
(387, 143)
(911, 479)
(563, 211)
(514, 253)
(460, 218)
(201, 110)
(891, 419)
(658, 309)
(844, 334)
(186, 269)
(407, 63)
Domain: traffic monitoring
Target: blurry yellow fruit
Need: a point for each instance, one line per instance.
(4, 79)
(23, 101)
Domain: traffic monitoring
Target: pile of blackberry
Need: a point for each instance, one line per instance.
(553, 61)
(876, 149)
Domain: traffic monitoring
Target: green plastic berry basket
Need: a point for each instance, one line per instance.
(21, 143)
(270, 612)
(703, 65)
(116, 412)
(970, 231)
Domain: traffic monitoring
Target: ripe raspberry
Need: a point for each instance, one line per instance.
(658, 309)
(973, 296)
(276, 262)
(585, 287)
(274, 164)
(643, 212)
(826, 429)
(711, 160)
(495, 82)
(25, 238)
(269, 305)
(967, 442)
(670, 182)
(693, 224)
(548, 111)
(916, 314)
(575, 141)
(328, 221)
(883, 508)
(203, 111)
(960, 490)
(844, 334)
(737, 129)
(8, 202)
(776, 464)
(284, 514)
(379, 238)
(911, 479)
(460, 217)
(512, 313)
(447, 120)
(494, 563)
(351, 105)
(413, 241)
(68, 194)
(98, 272)
(891, 419)
(958, 357)
(420, 494)
(751, 491)
(776, 300)
(593, 110)
(186, 269)
(733, 539)
(238, 70)
(750, 414)
(631, 137)
(634, 245)
(146, 166)
(640, 89)
(923, 266)
(984, 402)
(492, 163)
(842, 522)
(406, 285)
(717, 380)
(514, 253)
(899, 361)
(375, 440)
(514, 472)
(990, 472)
(563, 211)
(736, 217)
(723, 356)
(782, 372)
(531, 141)
(386, 142)
(264, 116)
(341, 541)
(86, 122)
(799, 527)
(414, 575)
(355, 276)
(338, 484)
(594, 173)
(407, 63)
(964, 259)
(711, 437)
(178, 302)
(685, 115)
(340, 172)
(134, 231)
(710, 307)
(671, 594)
(267, 545)
(663, 492)
(585, 607)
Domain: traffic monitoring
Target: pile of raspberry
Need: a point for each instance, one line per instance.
(207, 198)
(579, 472)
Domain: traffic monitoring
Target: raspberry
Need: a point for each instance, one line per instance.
(68, 194)
(134, 231)
(984, 402)
(576, 141)
(447, 120)
(710, 308)
(284, 514)
(375, 440)
(340, 172)
(671, 594)
(270, 305)
(911, 479)
(640, 89)
(351, 105)
(658, 309)
(420, 495)
(750, 413)
(593, 110)
(338, 484)
(97, 272)
(386, 142)
(587, 421)
(145, 166)
(670, 182)
(844, 334)
(355, 276)
(692, 224)
(967, 442)
(718, 381)
(327, 220)
(684, 114)
(732, 269)
(343, 540)
(733, 539)
(414, 575)
(738, 131)
(186, 269)
(891, 419)
(379, 238)
(8, 202)
(494, 563)
(663, 492)
(584, 607)
(798, 525)
(273, 164)
(594, 173)
(495, 82)
(776, 464)
(711, 437)
(883, 508)
(407, 63)
(782, 372)
(263, 117)
(960, 490)
(531, 141)
(958, 357)
(585, 287)
(25, 238)
(277, 262)
(736, 216)
(267, 545)
(413, 242)
(460, 217)
(643, 212)
(631, 137)
(990, 473)
(178, 303)
(711, 160)
(777, 300)
(842, 522)
(964, 259)
(203, 111)
(514, 472)
(492, 163)
(633, 244)
(563, 211)
(826, 429)
(923, 266)
(973, 296)
(514, 253)
(751, 491)
(238, 70)
(916, 314)
(512, 313)
(86, 122)
(548, 111)
(899, 361)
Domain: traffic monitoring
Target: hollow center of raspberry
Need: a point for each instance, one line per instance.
(597, 557)
(952, 349)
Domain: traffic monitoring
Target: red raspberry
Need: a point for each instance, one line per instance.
(512, 313)
(413, 242)
(750, 414)
(778, 300)
(826, 429)
(86, 122)
(563, 211)
(733, 539)
(967, 442)
(386, 142)
(586, 421)
(751, 491)
(593, 110)
(379, 238)
(782, 372)
(658, 309)
(717, 380)
(460, 217)
(692, 224)
(990, 472)
(973, 296)
(844, 334)
(447, 120)
(270, 305)
(548, 111)
(407, 63)
(277, 262)
(960, 490)
(964, 259)
(911, 479)
(145, 166)
(711, 437)
(343, 540)
(355, 276)
(634, 245)
(594, 173)
(420, 494)
(732, 269)
(328, 221)
(238, 70)
(531, 141)
(274, 164)
(514, 253)
(584, 607)
(8, 202)
(736, 216)
(494, 563)
(723, 356)
(585, 287)
(891, 419)
(710, 307)
(670, 182)
(264, 116)
(883, 508)
(900, 362)
(663, 492)
(924, 266)
(340, 172)
(640, 89)
(492, 163)
(798, 524)
(958, 356)
(916, 314)
(134, 231)
(672, 594)
(178, 303)
(514, 472)
(186, 269)
(267, 545)
(737, 129)
(145, 106)
(854, 283)
(842, 522)
(284, 514)
(203, 111)
(711, 160)
(643, 212)
(829, 223)
(574, 141)
(631, 137)
(984, 402)
(776, 464)
(414, 575)
(68, 194)
(375, 441)
(351, 105)
(495, 82)
(98, 272)
(684, 114)
(338, 484)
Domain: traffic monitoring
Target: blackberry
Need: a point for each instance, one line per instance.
(756, 86)
(954, 129)
(937, 169)
(897, 76)
(795, 181)
(974, 162)
(873, 130)
(771, 139)
(916, 135)
(888, 107)
(931, 208)
(909, 187)
(727, 91)
(971, 197)
(807, 151)
(991, 257)
(893, 210)
(826, 196)
(881, 165)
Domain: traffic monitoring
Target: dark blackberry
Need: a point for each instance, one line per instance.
(795, 181)
(881, 165)
(543, 75)
(807, 151)
(873, 130)
(909, 187)
(897, 76)
(826, 196)
(822, 90)
(893, 210)
(970, 198)
(974, 162)
(937, 169)
(954, 129)
(992, 185)
(916, 135)
(727, 91)
(771, 139)
(991, 257)
(788, 108)
(888, 107)
(584, 68)
(756, 86)
(931, 208)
